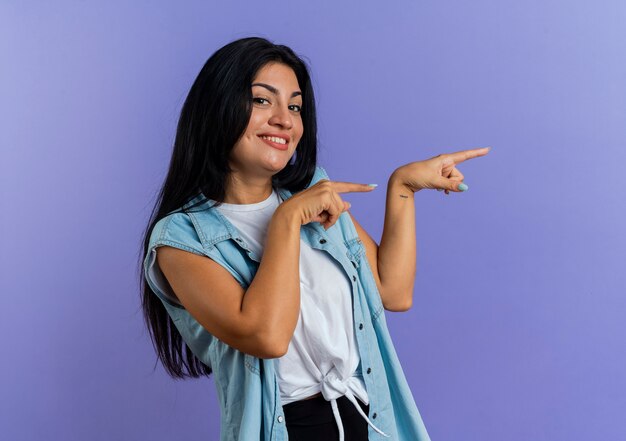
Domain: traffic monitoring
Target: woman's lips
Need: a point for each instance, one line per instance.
(275, 144)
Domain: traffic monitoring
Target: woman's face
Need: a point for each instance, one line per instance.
(275, 125)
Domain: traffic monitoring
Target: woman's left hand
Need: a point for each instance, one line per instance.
(439, 172)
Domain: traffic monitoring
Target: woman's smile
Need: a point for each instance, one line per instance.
(277, 142)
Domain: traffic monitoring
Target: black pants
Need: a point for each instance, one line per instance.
(313, 420)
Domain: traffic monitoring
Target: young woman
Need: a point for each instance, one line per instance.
(254, 269)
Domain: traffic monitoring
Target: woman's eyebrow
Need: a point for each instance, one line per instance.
(274, 90)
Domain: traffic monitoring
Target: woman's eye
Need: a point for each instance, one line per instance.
(265, 101)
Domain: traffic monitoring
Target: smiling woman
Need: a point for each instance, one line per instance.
(254, 271)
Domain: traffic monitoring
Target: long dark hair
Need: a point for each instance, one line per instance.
(213, 118)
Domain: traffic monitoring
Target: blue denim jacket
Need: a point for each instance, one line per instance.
(247, 386)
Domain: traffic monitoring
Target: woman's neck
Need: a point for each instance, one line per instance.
(247, 190)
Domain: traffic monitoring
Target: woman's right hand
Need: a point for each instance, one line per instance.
(321, 202)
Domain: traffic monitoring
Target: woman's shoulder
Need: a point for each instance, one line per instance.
(176, 229)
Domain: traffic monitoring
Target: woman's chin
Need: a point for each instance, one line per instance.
(276, 166)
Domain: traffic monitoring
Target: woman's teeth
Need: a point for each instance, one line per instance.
(275, 139)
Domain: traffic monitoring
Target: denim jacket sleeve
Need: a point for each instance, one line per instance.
(174, 230)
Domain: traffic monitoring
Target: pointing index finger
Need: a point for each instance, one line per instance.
(464, 155)
(347, 187)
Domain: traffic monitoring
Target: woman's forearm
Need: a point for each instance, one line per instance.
(272, 301)
(397, 250)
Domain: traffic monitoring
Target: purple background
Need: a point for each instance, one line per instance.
(517, 330)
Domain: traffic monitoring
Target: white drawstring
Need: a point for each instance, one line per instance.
(333, 388)
(333, 404)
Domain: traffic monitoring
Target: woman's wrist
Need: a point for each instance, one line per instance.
(398, 183)
(287, 217)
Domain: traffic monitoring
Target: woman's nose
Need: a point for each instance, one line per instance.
(281, 117)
